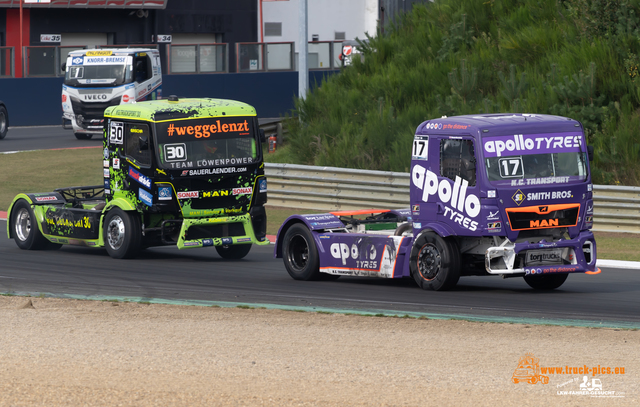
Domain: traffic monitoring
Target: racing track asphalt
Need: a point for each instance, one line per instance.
(200, 274)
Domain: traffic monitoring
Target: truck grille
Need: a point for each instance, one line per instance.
(91, 110)
(543, 216)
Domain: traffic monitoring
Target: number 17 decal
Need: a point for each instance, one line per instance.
(511, 167)
(420, 149)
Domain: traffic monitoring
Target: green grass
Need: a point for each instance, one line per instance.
(43, 171)
(618, 246)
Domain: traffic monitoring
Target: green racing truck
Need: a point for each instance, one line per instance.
(185, 172)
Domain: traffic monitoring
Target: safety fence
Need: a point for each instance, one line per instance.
(616, 208)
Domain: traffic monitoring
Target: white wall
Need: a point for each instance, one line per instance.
(325, 17)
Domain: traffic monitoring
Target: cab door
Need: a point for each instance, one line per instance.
(143, 77)
(460, 206)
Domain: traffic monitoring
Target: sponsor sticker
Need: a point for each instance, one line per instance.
(518, 197)
(145, 197)
(531, 144)
(141, 178)
(207, 242)
(242, 191)
(244, 239)
(46, 198)
(105, 163)
(164, 193)
(459, 206)
(227, 240)
(188, 194)
(112, 60)
(116, 163)
(541, 257)
(99, 53)
(105, 172)
(263, 185)
(206, 130)
(493, 215)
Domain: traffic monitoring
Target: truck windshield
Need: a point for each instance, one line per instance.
(206, 143)
(534, 157)
(90, 75)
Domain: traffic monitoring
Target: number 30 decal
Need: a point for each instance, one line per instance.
(175, 152)
(116, 133)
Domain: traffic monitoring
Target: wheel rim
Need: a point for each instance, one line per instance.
(3, 122)
(23, 224)
(429, 261)
(298, 254)
(115, 232)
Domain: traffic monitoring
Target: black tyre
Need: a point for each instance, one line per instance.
(25, 228)
(546, 282)
(83, 136)
(4, 122)
(233, 252)
(122, 234)
(435, 262)
(300, 254)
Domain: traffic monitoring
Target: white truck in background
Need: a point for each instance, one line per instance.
(98, 78)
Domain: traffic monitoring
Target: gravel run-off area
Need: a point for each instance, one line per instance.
(60, 352)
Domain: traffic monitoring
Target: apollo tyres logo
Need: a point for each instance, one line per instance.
(460, 206)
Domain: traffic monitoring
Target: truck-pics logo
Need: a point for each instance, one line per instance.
(456, 196)
(528, 370)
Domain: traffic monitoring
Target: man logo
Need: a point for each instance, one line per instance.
(543, 209)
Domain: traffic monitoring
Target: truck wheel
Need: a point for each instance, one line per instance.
(233, 252)
(122, 234)
(25, 228)
(83, 136)
(3, 122)
(300, 254)
(435, 262)
(546, 282)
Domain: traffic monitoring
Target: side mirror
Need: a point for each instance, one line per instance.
(590, 152)
(263, 138)
(64, 67)
(143, 143)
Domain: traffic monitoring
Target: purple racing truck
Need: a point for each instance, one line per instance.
(503, 194)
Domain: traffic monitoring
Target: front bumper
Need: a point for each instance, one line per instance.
(503, 259)
(248, 237)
